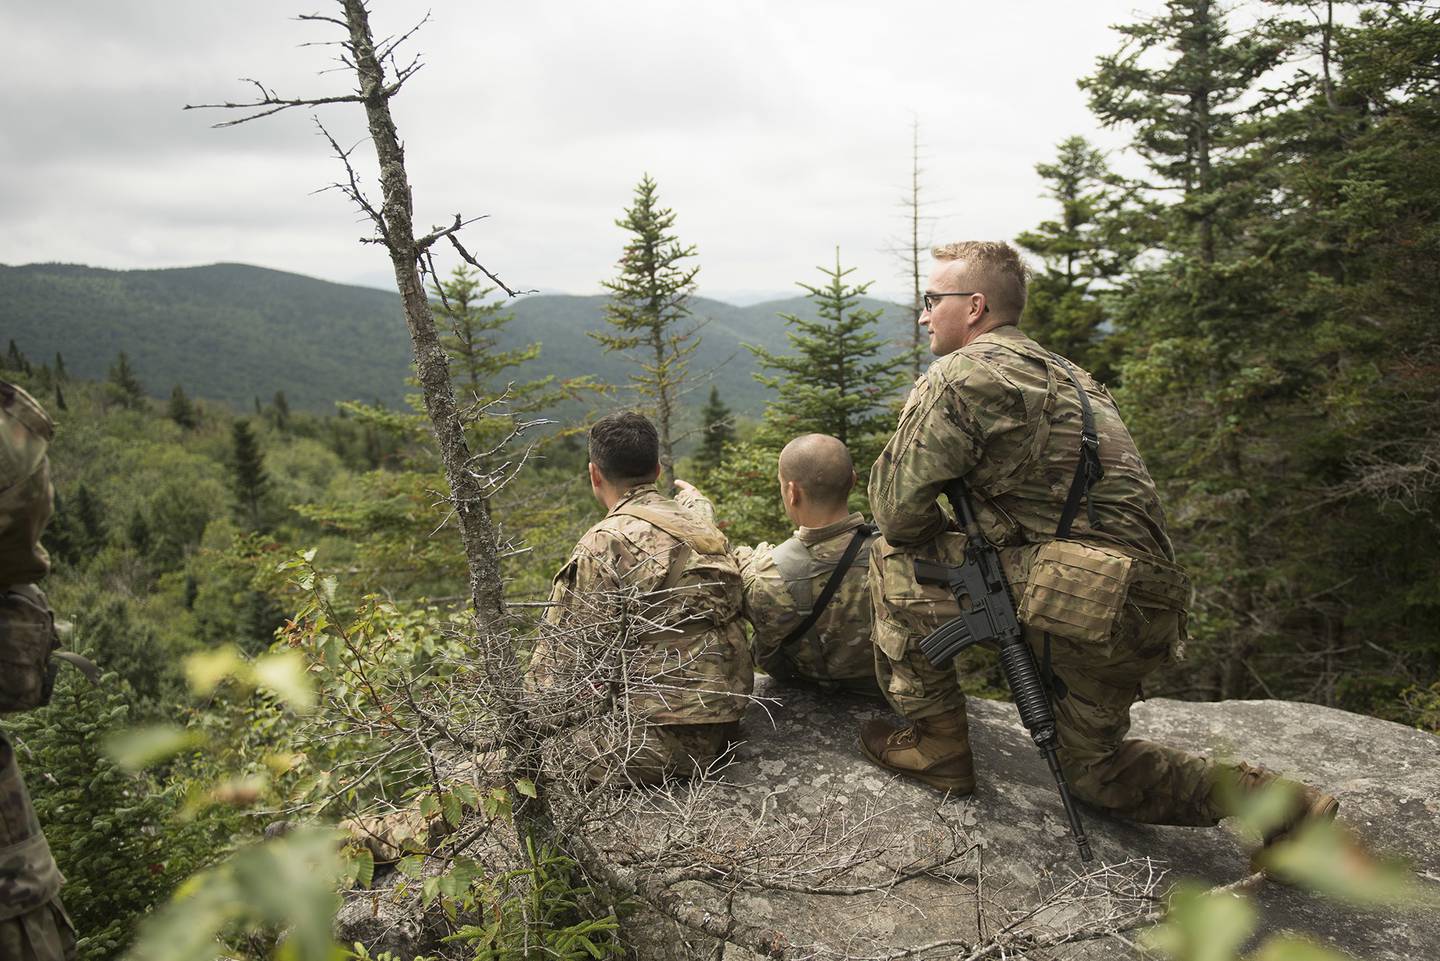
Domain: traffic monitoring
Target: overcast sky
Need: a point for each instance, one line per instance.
(776, 129)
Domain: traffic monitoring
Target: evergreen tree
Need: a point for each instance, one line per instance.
(248, 478)
(125, 387)
(60, 373)
(840, 380)
(717, 431)
(649, 304)
(15, 360)
(281, 406)
(181, 411)
(1084, 251)
(60, 398)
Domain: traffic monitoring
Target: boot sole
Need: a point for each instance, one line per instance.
(957, 786)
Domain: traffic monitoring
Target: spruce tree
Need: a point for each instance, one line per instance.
(60, 398)
(124, 386)
(247, 478)
(1084, 250)
(1211, 349)
(717, 431)
(181, 411)
(840, 378)
(281, 406)
(647, 312)
(60, 373)
(15, 360)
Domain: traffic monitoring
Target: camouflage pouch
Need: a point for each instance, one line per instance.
(1076, 591)
(27, 639)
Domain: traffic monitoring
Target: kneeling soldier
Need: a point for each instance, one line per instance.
(808, 598)
(661, 581)
(1100, 597)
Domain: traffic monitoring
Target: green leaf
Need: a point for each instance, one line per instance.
(429, 806)
(1323, 856)
(362, 867)
(140, 747)
(206, 669)
(1295, 949)
(450, 804)
(284, 673)
(526, 787)
(1202, 926)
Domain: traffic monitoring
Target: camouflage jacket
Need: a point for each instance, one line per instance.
(664, 578)
(837, 648)
(25, 494)
(1002, 414)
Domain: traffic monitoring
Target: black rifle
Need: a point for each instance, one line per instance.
(987, 616)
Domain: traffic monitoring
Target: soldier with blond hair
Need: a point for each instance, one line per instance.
(1032, 437)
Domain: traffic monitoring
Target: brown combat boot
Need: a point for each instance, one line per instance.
(935, 750)
(1307, 805)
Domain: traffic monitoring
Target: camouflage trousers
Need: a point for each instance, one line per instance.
(646, 754)
(33, 922)
(1135, 778)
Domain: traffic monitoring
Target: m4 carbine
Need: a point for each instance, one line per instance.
(987, 616)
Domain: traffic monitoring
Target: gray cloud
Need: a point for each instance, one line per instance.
(776, 131)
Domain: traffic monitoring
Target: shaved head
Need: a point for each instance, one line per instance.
(821, 465)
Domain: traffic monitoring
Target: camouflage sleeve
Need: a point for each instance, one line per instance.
(950, 414)
(696, 503)
(767, 604)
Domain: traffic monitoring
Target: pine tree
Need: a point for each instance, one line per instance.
(1084, 251)
(125, 387)
(60, 373)
(60, 398)
(181, 411)
(840, 380)
(717, 431)
(15, 360)
(281, 406)
(248, 478)
(1211, 351)
(649, 304)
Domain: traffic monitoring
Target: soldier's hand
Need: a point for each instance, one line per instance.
(686, 487)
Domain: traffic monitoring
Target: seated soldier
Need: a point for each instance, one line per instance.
(645, 616)
(802, 634)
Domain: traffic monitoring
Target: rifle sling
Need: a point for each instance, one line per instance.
(1088, 471)
(831, 586)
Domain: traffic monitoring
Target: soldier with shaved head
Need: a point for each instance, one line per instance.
(802, 633)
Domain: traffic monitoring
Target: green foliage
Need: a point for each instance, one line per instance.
(650, 300)
(248, 478)
(538, 911)
(840, 378)
(181, 410)
(116, 835)
(1084, 251)
(717, 431)
(125, 388)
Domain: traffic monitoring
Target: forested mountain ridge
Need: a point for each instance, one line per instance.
(235, 332)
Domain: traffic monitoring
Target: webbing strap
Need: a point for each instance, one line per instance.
(852, 550)
(1089, 470)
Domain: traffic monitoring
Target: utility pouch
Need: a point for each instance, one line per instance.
(1076, 591)
(27, 638)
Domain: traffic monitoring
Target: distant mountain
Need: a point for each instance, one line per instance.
(233, 332)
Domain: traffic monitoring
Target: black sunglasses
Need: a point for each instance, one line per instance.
(930, 299)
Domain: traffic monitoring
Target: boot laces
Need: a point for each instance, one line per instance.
(904, 737)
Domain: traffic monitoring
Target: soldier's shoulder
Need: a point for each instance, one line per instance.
(758, 561)
(18, 407)
(977, 366)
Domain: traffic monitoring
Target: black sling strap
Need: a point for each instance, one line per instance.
(831, 586)
(1089, 470)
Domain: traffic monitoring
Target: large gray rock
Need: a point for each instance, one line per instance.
(802, 753)
(806, 844)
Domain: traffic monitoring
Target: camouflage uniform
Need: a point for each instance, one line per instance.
(836, 652)
(33, 922)
(666, 575)
(1002, 414)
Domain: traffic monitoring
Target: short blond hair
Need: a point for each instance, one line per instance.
(995, 269)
